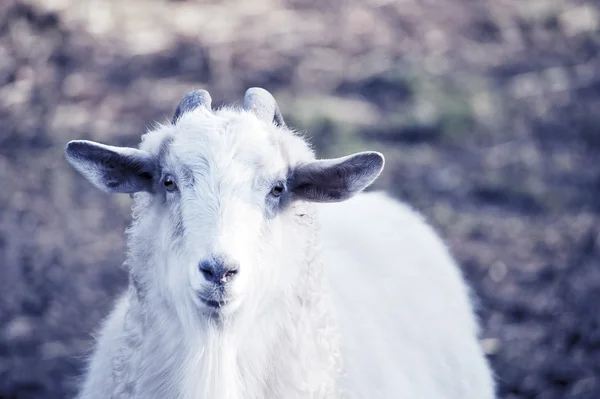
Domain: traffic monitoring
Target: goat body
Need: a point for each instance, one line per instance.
(404, 311)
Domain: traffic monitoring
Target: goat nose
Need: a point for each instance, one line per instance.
(218, 270)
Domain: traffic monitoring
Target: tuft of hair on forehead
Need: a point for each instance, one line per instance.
(229, 127)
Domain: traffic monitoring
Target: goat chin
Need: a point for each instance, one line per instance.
(404, 311)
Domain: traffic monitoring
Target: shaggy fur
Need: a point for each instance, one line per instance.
(383, 276)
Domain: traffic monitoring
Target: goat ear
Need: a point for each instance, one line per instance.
(112, 169)
(334, 180)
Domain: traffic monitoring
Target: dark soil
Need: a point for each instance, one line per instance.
(488, 114)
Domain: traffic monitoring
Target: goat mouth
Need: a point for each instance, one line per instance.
(212, 303)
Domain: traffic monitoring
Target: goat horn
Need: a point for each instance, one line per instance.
(263, 105)
(191, 101)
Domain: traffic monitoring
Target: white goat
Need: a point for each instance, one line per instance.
(230, 292)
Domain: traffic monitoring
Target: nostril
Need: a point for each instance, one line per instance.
(207, 273)
(206, 270)
(231, 273)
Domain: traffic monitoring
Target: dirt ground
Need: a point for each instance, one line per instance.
(487, 112)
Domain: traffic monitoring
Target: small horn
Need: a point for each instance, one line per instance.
(262, 103)
(191, 101)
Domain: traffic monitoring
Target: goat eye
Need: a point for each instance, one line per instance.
(277, 190)
(169, 183)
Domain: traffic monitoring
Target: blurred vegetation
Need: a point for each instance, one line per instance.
(487, 113)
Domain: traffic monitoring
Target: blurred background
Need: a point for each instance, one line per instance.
(487, 112)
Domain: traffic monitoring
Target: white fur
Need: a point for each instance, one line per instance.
(408, 329)
(406, 323)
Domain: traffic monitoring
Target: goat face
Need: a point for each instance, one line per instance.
(216, 200)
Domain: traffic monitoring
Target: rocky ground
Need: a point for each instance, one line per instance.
(487, 111)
